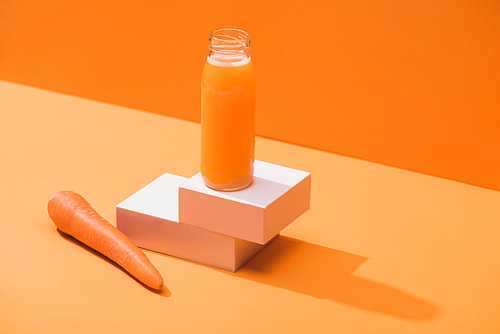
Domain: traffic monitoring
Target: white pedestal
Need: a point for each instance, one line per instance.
(276, 197)
(184, 218)
(150, 219)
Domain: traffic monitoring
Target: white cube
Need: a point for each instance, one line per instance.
(150, 219)
(276, 197)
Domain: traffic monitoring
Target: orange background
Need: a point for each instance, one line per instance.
(382, 250)
(409, 84)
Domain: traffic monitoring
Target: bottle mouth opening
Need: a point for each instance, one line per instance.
(229, 41)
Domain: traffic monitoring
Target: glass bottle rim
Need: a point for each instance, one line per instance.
(229, 41)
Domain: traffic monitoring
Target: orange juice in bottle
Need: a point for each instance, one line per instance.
(228, 112)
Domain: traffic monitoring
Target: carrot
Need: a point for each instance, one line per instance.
(73, 215)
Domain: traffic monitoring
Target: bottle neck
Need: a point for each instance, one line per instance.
(229, 47)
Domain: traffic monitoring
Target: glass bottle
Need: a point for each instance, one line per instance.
(228, 112)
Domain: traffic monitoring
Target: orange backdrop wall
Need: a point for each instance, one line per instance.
(411, 84)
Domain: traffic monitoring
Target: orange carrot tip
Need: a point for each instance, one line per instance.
(73, 215)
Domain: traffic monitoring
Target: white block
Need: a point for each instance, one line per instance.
(150, 219)
(276, 197)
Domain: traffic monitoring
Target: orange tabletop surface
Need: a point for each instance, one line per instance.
(382, 250)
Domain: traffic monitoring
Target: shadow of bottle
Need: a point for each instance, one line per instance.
(327, 273)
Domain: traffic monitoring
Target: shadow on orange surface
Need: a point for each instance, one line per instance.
(323, 272)
(164, 292)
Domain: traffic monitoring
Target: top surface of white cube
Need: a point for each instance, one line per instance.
(270, 182)
(159, 198)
